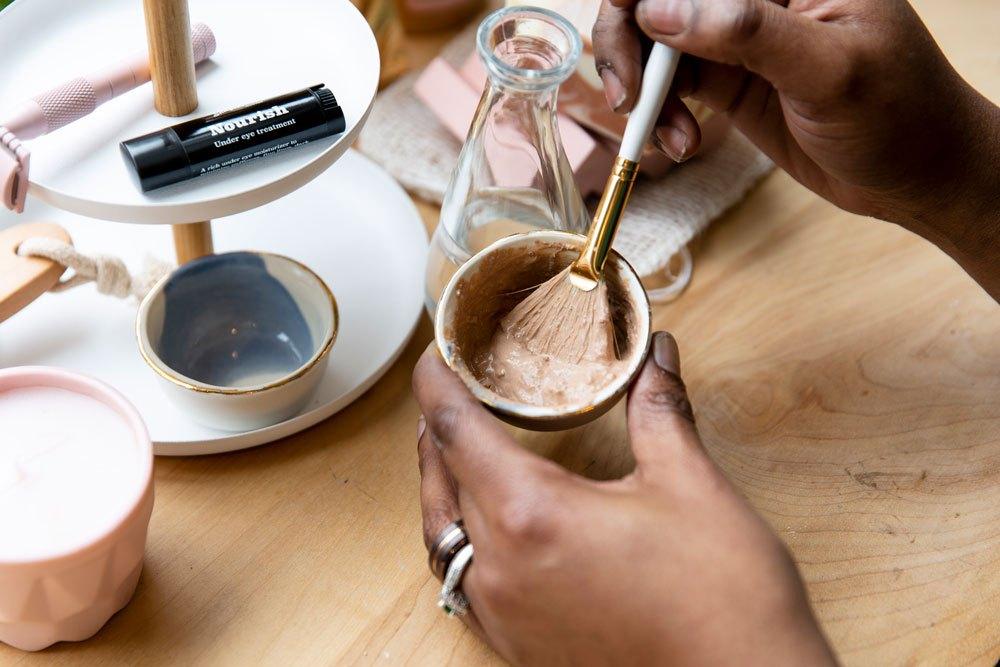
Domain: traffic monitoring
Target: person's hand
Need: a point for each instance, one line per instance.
(853, 98)
(666, 566)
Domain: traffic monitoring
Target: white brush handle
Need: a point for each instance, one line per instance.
(656, 80)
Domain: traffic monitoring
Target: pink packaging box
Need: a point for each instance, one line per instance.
(453, 99)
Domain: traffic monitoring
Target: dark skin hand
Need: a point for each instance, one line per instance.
(669, 565)
(853, 98)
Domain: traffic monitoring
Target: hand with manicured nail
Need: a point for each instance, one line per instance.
(851, 97)
(666, 566)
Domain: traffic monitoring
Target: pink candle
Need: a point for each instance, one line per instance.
(76, 494)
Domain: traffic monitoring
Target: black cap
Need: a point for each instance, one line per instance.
(157, 159)
(331, 109)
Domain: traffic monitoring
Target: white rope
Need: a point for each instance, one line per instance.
(108, 272)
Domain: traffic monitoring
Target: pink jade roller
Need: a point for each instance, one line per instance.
(69, 102)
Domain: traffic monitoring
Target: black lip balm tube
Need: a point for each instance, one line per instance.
(203, 145)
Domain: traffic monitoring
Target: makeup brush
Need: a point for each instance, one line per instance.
(569, 315)
(69, 102)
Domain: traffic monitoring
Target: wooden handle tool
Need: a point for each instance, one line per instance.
(24, 279)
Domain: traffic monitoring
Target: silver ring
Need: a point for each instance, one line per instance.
(447, 544)
(451, 599)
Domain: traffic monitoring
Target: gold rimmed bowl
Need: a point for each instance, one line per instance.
(239, 340)
(493, 281)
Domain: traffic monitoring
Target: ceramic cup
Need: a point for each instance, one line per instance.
(239, 340)
(76, 493)
(474, 301)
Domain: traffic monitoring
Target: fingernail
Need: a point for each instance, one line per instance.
(614, 91)
(665, 352)
(672, 141)
(667, 17)
(421, 425)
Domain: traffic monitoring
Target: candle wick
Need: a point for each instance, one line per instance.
(19, 463)
(18, 477)
(43, 452)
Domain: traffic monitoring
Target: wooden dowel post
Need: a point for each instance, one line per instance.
(171, 64)
(192, 240)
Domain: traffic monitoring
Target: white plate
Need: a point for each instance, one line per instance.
(353, 225)
(265, 48)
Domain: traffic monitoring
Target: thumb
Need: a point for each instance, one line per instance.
(482, 457)
(789, 49)
(660, 421)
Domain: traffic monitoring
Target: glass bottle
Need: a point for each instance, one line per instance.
(512, 174)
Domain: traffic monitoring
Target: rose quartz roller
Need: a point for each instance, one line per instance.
(69, 102)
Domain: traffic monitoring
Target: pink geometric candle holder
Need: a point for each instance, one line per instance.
(76, 494)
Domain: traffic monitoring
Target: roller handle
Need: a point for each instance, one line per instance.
(79, 97)
(656, 80)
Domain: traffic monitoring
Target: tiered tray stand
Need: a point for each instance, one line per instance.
(321, 204)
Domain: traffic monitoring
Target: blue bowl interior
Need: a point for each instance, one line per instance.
(239, 320)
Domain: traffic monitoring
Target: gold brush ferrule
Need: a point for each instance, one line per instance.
(617, 191)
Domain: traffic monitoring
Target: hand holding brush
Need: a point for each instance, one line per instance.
(570, 313)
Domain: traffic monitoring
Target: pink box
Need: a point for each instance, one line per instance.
(453, 99)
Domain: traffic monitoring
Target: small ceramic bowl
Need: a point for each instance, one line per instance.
(239, 340)
(482, 291)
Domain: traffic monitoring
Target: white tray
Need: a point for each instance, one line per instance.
(353, 225)
(265, 48)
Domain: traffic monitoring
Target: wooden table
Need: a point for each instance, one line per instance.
(846, 375)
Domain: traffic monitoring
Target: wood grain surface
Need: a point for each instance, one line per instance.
(845, 374)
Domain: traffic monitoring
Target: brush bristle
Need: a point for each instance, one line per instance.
(564, 321)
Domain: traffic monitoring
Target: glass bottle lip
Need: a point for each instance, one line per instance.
(521, 77)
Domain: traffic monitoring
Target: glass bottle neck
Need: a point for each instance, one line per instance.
(529, 99)
(540, 93)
